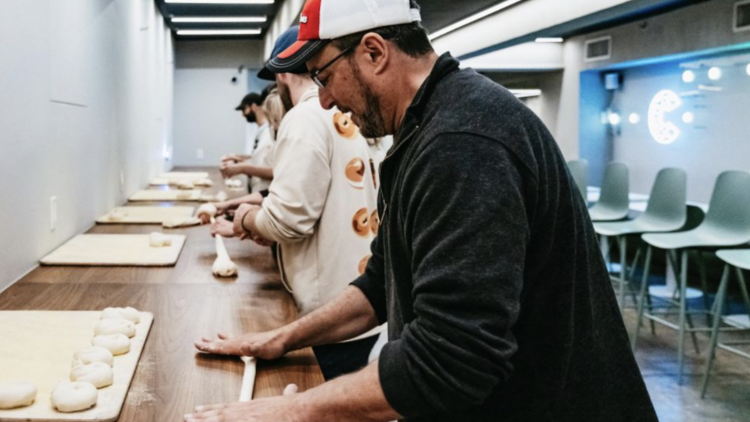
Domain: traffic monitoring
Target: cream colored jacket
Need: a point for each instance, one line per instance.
(321, 206)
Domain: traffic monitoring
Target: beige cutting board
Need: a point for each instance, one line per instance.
(187, 176)
(147, 215)
(166, 195)
(38, 347)
(115, 250)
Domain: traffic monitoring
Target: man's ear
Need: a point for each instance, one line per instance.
(377, 52)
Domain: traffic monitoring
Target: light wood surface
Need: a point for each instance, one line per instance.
(188, 302)
(38, 347)
(116, 250)
(166, 195)
(187, 175)
(147, 215)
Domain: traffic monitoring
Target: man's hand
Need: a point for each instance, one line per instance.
(277, 409)
(268, 346)
(239, 215)
(229, 169)
(223, 228)
(232, 159)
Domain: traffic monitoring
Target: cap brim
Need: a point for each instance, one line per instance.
(293, 59)
(239, 107)
(266, 74)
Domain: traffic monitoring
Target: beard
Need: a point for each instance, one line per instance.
(250, 118)
(371, 121)
(286, 96)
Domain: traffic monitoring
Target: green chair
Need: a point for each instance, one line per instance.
(666, 211)
(578, 169)
(739, 259)
(727, 224)
(613, 203)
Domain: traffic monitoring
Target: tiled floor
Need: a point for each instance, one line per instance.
(728, 396)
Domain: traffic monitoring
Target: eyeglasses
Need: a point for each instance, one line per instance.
(316, 73)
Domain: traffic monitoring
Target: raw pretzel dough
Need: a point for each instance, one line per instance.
(181, 222)
(221, 196)
(204, 182)
(185, 185)
(131, 314)
(159, 240)
(118, 344)
(115, 326)
(70, 397)
(184, 195)
(93, 354)
(233, 183)
(97, 373)
(16, 394)
(117, 215)
(223, 266)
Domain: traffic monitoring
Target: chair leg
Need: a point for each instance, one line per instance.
(632, 277)
(704, 285)
(719, 306)
(642, 298)
(623, 269)
(743, 289)
(693, 334)
(683, 315)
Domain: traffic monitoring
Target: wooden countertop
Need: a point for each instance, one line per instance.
(188, 302)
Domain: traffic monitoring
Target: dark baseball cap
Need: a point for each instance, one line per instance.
(251, 98)
(285, 40)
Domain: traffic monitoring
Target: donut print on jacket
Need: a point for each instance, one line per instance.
(345, 126)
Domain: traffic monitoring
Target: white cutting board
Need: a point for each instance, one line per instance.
(147, 215)
(115, 250)
(38, 347)
(166, 195)
(187, 176)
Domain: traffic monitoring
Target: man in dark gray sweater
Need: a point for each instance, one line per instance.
(486, 266)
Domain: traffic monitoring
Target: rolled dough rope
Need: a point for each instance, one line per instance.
(16, 394)
(185, 195)
(115, 326)
(159, 240)
(70, 397)
(131, 314)
(97, 373)
(233, 183)
(204, 182)
(93, 354)
(177, 223)
(118, 344)
(248, 379)
(223, 266)
(185, 185)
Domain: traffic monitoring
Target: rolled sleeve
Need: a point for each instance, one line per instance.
(372, 282)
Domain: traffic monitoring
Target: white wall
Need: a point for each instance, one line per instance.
(206, 97)
(86, 94)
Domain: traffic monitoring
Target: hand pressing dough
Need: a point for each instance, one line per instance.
(97, 373)
(185, 185)
(70, 397)
(93, 354)
(118, 344)
(16, 394)
(181, 222)
(159, 240)
(204, 182)
(131, 314)
(115, 326)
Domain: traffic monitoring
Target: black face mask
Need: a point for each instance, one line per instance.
(250, 118)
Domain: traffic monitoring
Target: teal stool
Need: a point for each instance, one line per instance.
(614, 201)
(727, 224)
(666, 211)
(579, 169)
(739, 259)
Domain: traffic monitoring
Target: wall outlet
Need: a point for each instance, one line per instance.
(53, 213)
(199, 154)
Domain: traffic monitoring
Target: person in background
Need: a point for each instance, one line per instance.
(251, 108)
(486, 266)
(321, 209)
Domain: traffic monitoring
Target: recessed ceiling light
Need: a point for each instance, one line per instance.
(714, 73)
(634, 118)
(549, 40)
(471, 19)
(688, 117)
(222, 1)
(748, 69)
(688, 76)
(237, 19)
(218, 32)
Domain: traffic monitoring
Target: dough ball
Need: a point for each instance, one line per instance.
(207, 209)
(131, 314)
(233, 183)
(115, 326)
(16, 394)
(118, 344)
(117, 215)
(70, 397)
(221, 196)
(93, 354)
(185, 185)
(204, 182)
(181, 222)
(185, 195)
(97, 373)
(159, 240)
(224, 267)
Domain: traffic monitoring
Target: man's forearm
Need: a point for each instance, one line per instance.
(256, 171)
(356, 397)
(344, 318)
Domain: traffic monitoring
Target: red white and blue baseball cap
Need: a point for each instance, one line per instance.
(324, 20)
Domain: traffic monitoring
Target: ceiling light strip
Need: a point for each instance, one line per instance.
(220, 1)
(471, 19)
(202, 32)
(238, 19)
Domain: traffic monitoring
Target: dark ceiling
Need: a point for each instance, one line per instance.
(437, 14)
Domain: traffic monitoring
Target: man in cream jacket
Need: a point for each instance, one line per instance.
(321, 210)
